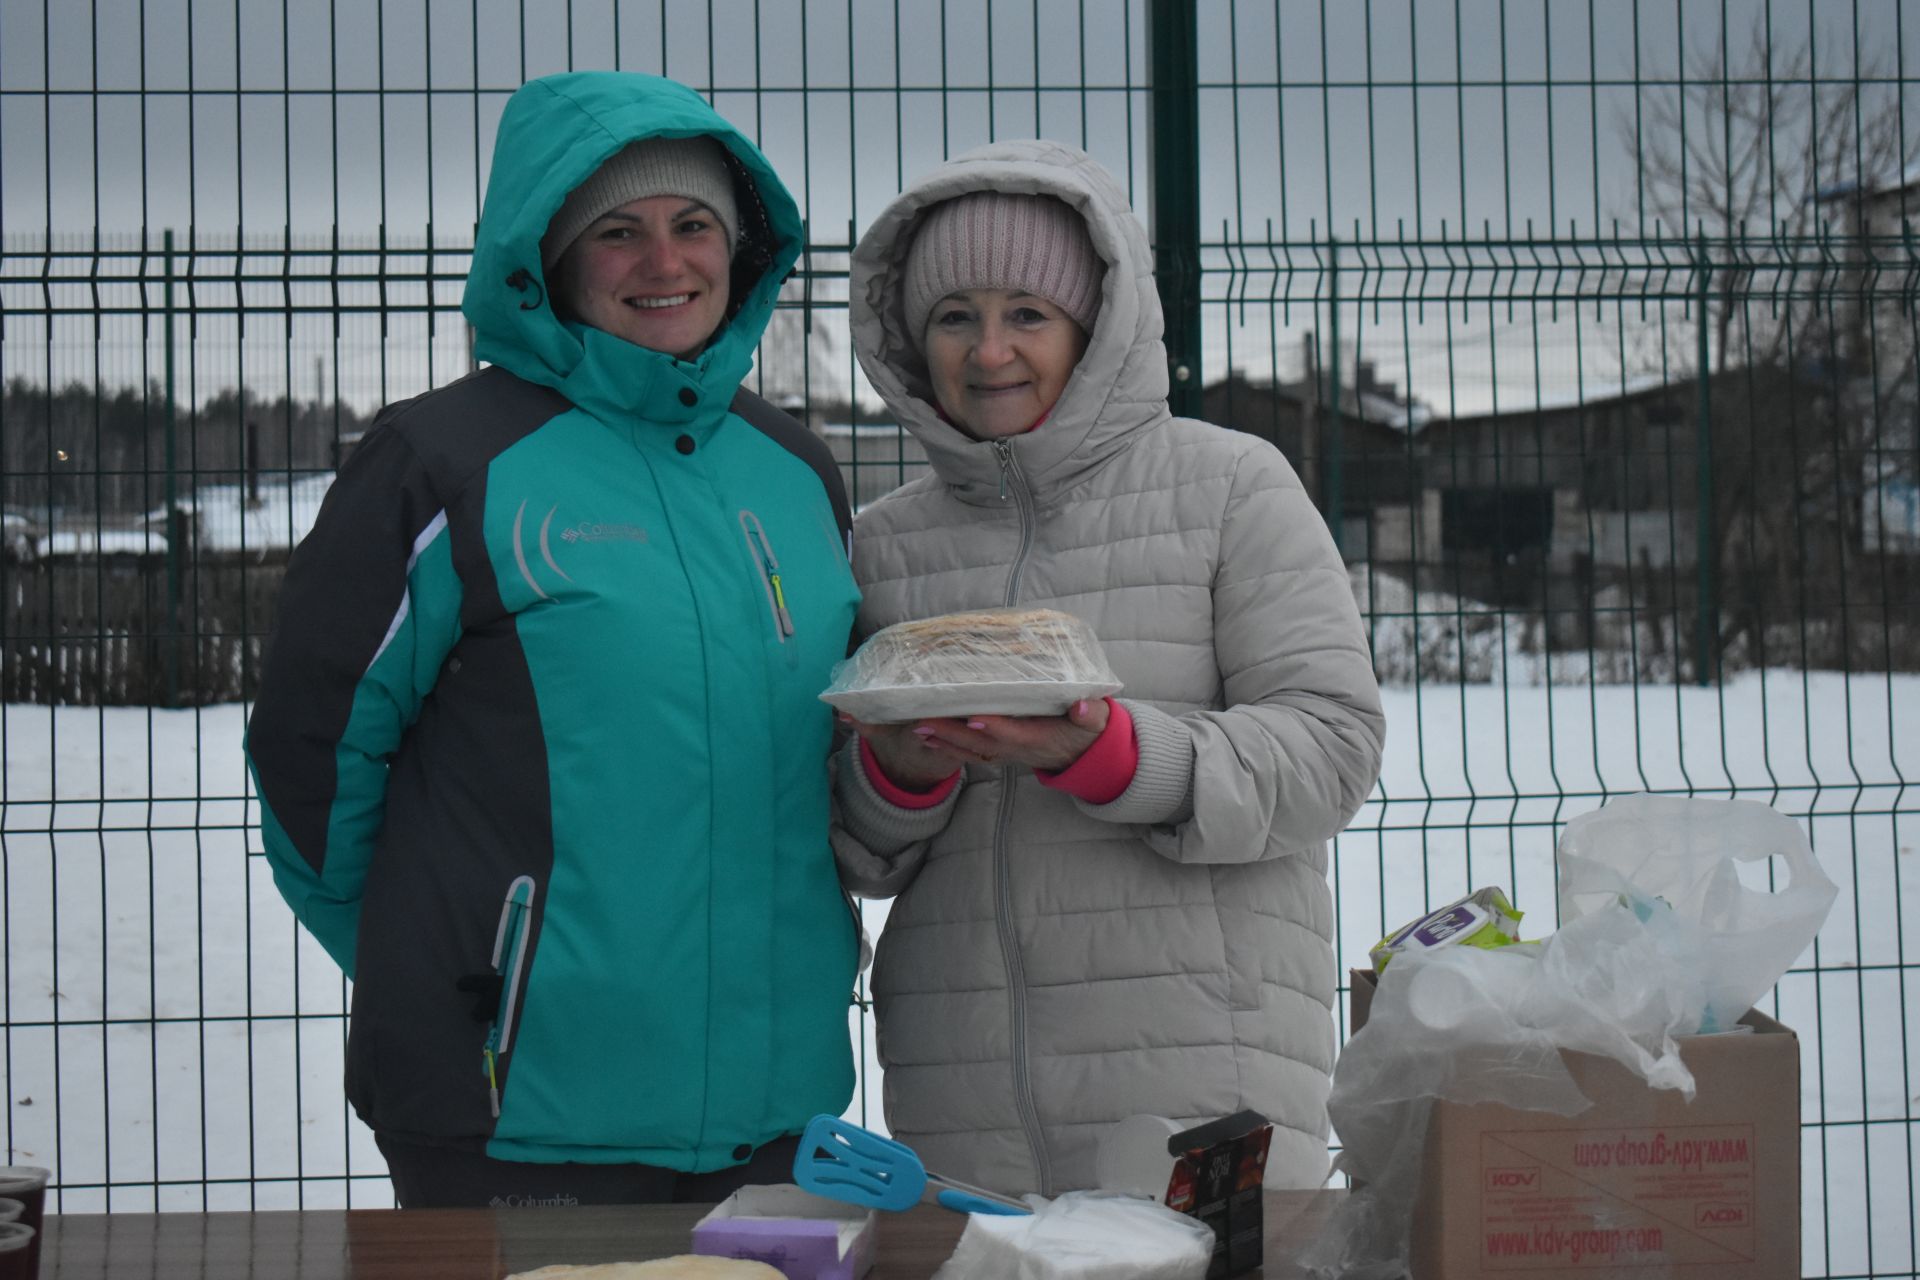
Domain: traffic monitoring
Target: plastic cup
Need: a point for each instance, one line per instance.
(27, 1184)
(1133, 1157)
(19, 1252)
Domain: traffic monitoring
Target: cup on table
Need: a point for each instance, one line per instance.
(27, 1184)
(19, 1252)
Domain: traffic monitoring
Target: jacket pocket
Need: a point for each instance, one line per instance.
(509, 964)
(768, 565)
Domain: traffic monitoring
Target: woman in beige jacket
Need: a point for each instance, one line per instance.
(1125, 909)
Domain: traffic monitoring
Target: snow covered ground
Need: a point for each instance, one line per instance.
(172, 1039)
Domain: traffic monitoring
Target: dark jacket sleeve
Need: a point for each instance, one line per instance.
(368, 611)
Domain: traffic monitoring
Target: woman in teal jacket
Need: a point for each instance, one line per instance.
(537, 745)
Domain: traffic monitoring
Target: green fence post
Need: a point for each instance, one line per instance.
(1173, 162)
(1706, 624)
(1333, 439)
(169, 643)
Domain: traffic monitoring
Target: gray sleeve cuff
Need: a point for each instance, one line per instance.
(1161, 793)
(878, 845)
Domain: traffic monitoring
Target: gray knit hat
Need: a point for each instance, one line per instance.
(990, 240)
(692, 167)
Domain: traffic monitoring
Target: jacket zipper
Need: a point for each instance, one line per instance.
(509, 959)
(1023, 499)
(769, 566)
(1002, 870)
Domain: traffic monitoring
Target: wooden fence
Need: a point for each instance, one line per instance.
(123, 630)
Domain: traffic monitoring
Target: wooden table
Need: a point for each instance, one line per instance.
(485, 1244)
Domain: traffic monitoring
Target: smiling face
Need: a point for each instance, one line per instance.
(999, 359)
(653, 271)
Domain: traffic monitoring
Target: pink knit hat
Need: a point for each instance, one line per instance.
(989, 240)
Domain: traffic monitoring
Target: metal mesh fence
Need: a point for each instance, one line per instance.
(1591, 327)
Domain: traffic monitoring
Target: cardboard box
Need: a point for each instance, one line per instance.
(1639, 1184)
(804, 1236)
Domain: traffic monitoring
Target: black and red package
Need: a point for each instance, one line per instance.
(1219, 1170)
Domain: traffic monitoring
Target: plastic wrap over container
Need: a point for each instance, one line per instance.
(1007, 662)
(1659, 937)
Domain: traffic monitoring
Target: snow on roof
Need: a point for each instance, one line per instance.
(1594, 392)
(1409, 416)
(1872, 187)
(1366, 406)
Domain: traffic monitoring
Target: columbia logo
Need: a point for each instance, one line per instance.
(604, 533)
(586, 531)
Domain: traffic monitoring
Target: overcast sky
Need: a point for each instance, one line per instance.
(256, 118)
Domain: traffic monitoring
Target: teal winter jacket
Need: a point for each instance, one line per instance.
(538, 745)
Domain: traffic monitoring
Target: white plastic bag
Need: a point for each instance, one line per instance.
(1646, 849)
(1659, 938)
(1083, 1235)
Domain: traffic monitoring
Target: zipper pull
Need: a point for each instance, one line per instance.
(757, 538)
(780, 604)
(493, 1081)
(1004, 452)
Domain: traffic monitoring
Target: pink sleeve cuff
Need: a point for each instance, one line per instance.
(1104, 769)
(895, 794)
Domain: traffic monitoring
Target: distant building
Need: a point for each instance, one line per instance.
(1370, 465)
(1606, 481)
(1877, 207)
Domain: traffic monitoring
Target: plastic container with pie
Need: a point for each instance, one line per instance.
(997, 662)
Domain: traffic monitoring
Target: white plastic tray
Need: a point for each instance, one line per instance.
(985, 698)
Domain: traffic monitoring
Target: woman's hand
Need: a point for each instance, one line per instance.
(919, 755)
(1051, 743)
(909, 754)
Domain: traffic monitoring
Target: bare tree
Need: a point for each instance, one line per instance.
(797, 359)
(1766, 163)
(1796, 186)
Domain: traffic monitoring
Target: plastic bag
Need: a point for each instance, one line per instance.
(1469, 1025)
(1015, 662)
(1658, 939)
(1651, 849)
(1083, 1235)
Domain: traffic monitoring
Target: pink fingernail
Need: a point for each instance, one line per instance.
(976, 724)
(923, 730)
(1080, 707)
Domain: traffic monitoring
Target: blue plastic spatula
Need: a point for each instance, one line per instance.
(842, 1161)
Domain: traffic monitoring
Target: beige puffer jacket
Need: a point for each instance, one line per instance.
(1051, 967)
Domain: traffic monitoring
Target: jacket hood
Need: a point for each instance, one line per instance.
(555, 132)
(1120, 384)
